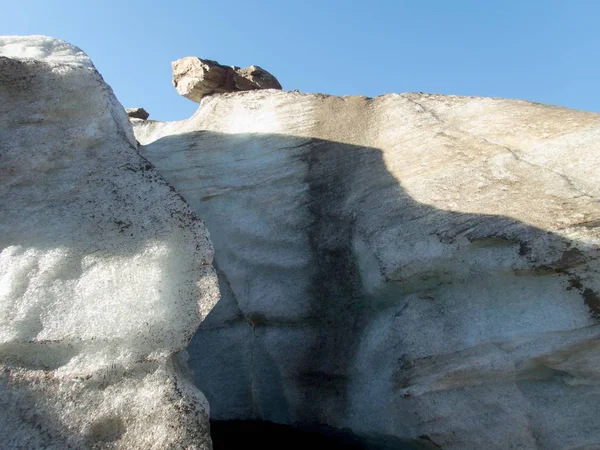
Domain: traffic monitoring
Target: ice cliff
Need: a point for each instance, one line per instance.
(418, 266)
(411, 265)
(105, 272)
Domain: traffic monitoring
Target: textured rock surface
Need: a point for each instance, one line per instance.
(195, 78)
(105, 273)
(410, 265)
(137, 113)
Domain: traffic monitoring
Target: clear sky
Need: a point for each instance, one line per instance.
(541, 50)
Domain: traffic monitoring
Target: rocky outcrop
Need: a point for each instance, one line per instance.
(137, 113)
(195, 78)
(420, 266)
(105, 273)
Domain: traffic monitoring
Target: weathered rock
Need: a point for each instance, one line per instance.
(254, 77)
(410, 265)
(195, 78)
(105, 273)
(137, 113)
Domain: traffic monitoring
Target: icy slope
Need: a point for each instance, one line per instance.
(105, 273)
(411, 265)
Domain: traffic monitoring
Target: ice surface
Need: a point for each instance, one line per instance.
(105, 273)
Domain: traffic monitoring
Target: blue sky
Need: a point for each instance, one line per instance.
(541, 50)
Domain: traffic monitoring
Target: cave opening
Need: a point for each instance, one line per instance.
(242, 434)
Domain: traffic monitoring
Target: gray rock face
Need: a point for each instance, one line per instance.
(195, 78)
(410, 265)
(137, 113)
(105, 272)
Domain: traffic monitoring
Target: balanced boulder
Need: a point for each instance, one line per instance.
(195, 78)
(137, 113)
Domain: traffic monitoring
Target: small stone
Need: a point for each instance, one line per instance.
(137, 113)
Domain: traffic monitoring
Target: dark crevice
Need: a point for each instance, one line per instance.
(243, 434)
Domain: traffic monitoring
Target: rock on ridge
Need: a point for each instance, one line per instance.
(195, 78)
(137, 113)
(105, 273)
